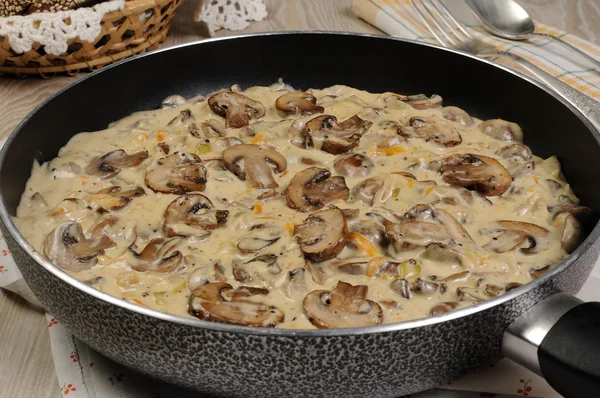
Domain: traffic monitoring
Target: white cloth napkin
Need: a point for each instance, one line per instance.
(84, 373)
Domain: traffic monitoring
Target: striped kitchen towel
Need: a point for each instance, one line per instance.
(399, 18)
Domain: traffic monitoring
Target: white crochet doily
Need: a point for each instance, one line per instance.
(230, 14)
(51, 30)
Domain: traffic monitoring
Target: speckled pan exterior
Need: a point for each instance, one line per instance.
(383, 361)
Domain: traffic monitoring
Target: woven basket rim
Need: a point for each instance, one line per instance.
(135, 6)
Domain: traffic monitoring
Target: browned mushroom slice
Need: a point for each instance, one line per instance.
(428, 129)
(353, 165)
(203, 274)
(159, 255)
(298, 102)
(458, 277)
(212, 128)
(581, 213)
(390, 128)
(494, 290)
(123, 197)
(192, 215)
(371, 230)
(110, 164)
(254, 163)
(421, 101)
(423, 287)
(178, 174)
(322, 235)
(455, 229)
(219, 302)
(402, 287)
(172, 101)
(314, 187)
(99, 228)
(259, 270)
(457, 115)
(259, 238)
(481, 173)
(67, 248)
(443, 308)
(236, 108)
(164, 147)
(515, 150)
(365, 191)
(336, 137)
(406, 235)
(502, 130)
(522, 235)
(183, 119)
(471, 294)
(572, 234)
(345, 306)
(537, 272)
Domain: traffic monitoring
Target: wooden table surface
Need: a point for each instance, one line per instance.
(26, 366)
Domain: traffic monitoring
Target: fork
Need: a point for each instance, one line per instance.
(451, 34)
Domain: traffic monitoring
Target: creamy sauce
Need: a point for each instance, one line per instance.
(491, 267)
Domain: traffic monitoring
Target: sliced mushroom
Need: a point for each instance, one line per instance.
(212, 128)
(183, 119)
(99, 228)
(259, 238)
(298, 102)
(537, 272)
(203, 274)
(262, 270)
(178, 174)
(345, 306)
(314, 187)
(443, 308)
(67, 248)
(110, 164)
(516, 150)
(421, 101)
(164, 147)
(455, 229)
(236, 108)
(457, 115)
(322, 235)
(371, 230)
(429, 129)
(219, 302)
(572, 234)
(353, 165)
(172, 101)
(471, 294)
(402, 287)
(423, 287)
(192, 215)
(158, 256)
(481, 173)
(502, 130)
(519, 235)
(581, 213)
(254, 163)
(115, 192)
(365, 191)
(336, 137)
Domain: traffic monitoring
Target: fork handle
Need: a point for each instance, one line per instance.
(589, 107)
(595, 63)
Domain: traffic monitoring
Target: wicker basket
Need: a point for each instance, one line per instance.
(140, 26)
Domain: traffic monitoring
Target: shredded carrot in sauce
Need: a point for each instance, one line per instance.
(257, 208)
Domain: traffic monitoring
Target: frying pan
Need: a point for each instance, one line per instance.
(539, 324)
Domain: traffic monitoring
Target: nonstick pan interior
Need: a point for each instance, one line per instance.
(307, 60)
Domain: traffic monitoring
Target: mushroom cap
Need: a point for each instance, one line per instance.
(322, 235)
(298, 102)
(158, 256)
(345, 306)
(111, 163)
(336, 137)
(457, 115)
(572, 234)
(192, 214)
(67, 248)
(431, 130)
(314, 187)
(254, 162)
(259, 238)
(178, 173)
(478, 172)
(236, 108)
(219, 302)
(353, 165)
(502, 130)
(516, 150)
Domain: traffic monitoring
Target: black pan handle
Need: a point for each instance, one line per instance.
(559, 339)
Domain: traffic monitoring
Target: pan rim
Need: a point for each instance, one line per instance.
(275, 332)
